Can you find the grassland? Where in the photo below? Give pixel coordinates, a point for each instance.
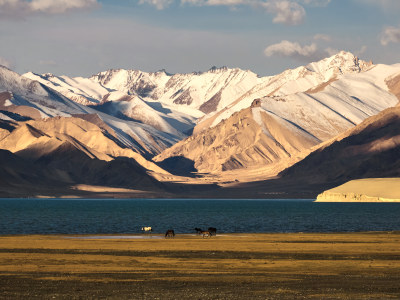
(234, 266)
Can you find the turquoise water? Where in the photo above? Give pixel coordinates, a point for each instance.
(52, 216)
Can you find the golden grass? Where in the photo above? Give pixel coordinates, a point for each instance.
(273, 265)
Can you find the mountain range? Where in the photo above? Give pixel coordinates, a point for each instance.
(224, 129)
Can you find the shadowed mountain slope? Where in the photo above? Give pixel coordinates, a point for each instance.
(370, 150)
(36, 138)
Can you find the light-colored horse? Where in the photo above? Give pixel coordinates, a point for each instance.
(206, 234)
(146, 229)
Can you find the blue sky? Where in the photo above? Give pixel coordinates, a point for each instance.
(83, 37)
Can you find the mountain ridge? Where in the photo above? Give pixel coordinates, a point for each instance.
(242, 123)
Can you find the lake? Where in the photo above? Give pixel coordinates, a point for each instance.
(115, 216)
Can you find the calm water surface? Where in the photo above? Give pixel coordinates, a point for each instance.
(128, 216)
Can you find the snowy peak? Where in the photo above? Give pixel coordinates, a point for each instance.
(13, 82)
(130, 81)
(339, 64)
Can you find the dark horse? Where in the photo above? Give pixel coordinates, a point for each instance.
(212, 230)
(198, 230)
(170, 233)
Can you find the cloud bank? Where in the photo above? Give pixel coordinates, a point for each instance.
(23, 8)
(304, 53)
(291, 49)
(285, 12)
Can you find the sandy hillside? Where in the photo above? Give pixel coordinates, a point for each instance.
(250, 138)
(364, 190)
(36, 138)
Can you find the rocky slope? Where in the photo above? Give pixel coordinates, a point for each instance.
(249, 138)
(37, 138)
(369, 150)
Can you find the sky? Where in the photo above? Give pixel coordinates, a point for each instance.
(84, 37)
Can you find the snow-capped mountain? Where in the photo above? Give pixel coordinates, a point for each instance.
(219, 91)
(119, 99)
(313, 103)
(22, 98)
(320, 100)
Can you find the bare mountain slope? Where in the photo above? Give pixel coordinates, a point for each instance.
(36, 138)
(250, 138)
(369, 150)
(54, 155)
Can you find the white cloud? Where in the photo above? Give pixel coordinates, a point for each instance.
(22, 8)
(286, 48)
(6, 63)
(390, 35)
(323, 37)
(305, 53)
(159, 4)
(286, 12)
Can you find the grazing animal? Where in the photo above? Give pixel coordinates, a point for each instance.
(198, 230)
(206, 234)
(212, 230)
(145, 229)
(170, 233)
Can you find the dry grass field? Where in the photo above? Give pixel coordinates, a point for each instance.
(232, 266)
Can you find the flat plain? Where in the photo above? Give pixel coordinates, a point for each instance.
(228, 266)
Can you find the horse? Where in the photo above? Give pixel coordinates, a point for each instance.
(146, 229)
(206, 234)
(170, 233)
(212, 230)
(198, 230)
